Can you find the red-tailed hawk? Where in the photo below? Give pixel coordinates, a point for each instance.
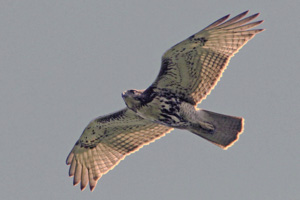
(189, 71)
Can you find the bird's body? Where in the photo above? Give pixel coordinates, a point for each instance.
(159, 107)
(189, 71)
(169, 110)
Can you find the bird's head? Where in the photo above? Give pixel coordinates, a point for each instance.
(133, 98)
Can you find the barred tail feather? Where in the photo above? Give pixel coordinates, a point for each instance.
(222, 130)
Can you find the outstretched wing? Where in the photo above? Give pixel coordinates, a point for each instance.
(106, 141)
(193, 67)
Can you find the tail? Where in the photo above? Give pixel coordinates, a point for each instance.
(222, 130)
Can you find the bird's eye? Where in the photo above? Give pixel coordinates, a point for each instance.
(131, 91)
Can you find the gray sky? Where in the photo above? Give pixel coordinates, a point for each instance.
(63, 63)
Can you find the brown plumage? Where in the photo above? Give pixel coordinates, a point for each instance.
(189, 71)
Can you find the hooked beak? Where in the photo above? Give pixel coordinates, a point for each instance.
(124, 95)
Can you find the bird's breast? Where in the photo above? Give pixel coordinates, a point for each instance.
(163, 110)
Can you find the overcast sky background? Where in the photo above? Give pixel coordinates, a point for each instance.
(63, 63)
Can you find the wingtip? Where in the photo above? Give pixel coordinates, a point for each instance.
(245, 12)
(260, 30)
(251, 17)
(82, 187)
(255, 15)
(92, 187)
(69, 158)
(93, 181)
(225, 17)
(221, 20)
(260, 21)
(75, 182)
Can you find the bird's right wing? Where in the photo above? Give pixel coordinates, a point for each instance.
(192, 68)
(106, 141)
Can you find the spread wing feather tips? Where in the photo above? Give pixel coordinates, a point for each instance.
(189, 70)
(193, 67)
(106, 141)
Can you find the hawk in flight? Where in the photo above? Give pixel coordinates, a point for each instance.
(189, 71)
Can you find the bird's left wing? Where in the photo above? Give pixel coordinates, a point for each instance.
(192, 68)
(106, 141)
